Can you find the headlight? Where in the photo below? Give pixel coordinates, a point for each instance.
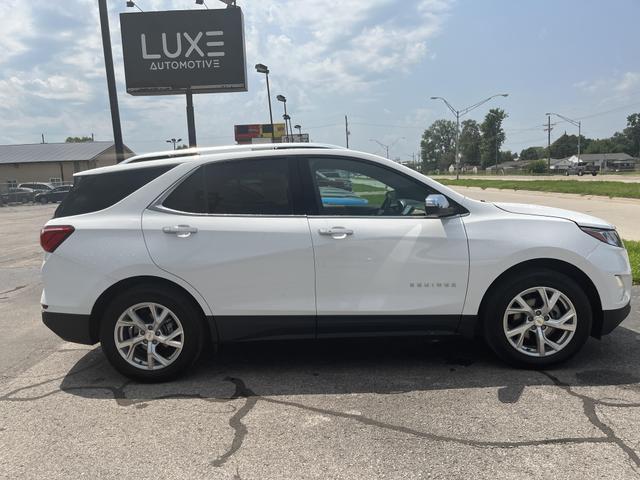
(604, 235)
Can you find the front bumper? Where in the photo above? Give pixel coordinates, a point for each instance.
(612, 318)
(71, 327)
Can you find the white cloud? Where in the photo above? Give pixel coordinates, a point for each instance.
(618, 86)
(52, 70)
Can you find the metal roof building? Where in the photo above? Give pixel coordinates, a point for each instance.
(53, 162)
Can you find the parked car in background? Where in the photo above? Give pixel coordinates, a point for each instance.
(582, 168)
(37, 186)
(158, 260)
(18, 195)
(55, 195)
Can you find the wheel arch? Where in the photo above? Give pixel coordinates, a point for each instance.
(110, 293)
(551, 264)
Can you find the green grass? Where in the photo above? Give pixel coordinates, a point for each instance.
(633, 248)
(604, 188)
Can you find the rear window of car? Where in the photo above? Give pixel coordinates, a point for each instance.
(91, 193)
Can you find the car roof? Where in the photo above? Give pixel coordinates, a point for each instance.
(190, 152)
(215, 153)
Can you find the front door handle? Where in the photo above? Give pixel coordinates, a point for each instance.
(181, 231)
(336, 232)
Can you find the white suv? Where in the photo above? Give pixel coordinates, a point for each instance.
(157, 259)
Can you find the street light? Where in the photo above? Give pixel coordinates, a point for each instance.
(299, 128)
(202, 2)
(283, 99)
(260, 68)
(174, 141)
(131, 4)
(460, 113)
(577, 123)
(385, 146)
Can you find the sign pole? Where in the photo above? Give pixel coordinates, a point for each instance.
(191, 121)
(111, 80)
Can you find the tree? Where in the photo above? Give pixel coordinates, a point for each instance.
(493, 135)
(632, 132)
(537, 166)
(567, 145)
(470, 139)
(78, 139)
(533, 153)
(437, 147)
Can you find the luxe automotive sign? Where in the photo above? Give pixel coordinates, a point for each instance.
(201, 51)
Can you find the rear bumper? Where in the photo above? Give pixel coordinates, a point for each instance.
(612, 318)
(71, 327)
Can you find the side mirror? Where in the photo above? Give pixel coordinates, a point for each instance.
(436, 205)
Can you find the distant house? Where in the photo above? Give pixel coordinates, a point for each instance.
(613, 162)
(53, 162)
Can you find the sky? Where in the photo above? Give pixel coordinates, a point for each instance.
(377, 61)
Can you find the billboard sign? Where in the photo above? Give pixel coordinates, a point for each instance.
(246, 133)
(296, 138)
(172, 52)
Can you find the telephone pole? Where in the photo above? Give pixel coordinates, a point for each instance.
(548, 130)
(346, 130)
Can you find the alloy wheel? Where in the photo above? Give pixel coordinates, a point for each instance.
(540, 321)
(149, 336)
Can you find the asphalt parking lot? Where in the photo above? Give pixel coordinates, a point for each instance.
(418, 408)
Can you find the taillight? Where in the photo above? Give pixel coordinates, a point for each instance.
(52, 236)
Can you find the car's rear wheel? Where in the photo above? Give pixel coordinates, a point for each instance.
(539, 319)
(151, 333)
(43, 200)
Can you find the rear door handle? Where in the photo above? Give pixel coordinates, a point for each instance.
(181, 231)
(336, 232)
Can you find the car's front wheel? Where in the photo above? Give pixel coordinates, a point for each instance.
(151, 333)
(539, 319)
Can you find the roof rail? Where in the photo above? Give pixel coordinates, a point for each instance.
(189, 152)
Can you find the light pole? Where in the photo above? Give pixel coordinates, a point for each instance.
(283, 99)
(260, 68)
(299, 128)
(385, 146)
(174, 141)
(577, 123)
(460, 113)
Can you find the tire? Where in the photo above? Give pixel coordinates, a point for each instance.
(580, 173)
(594, 173)
(566, 174)
(43, 200)
(497, 321)
(182, 314)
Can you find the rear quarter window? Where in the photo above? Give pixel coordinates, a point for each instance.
(92, 193)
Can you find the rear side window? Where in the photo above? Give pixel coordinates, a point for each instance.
(244, 187)
(91, 193)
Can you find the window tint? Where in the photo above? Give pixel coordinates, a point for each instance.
(91, 193)
(189, 196)
(251, 187)
(351, 187)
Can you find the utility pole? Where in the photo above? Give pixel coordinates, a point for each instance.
(191, 121)
(548, 130)
(346, 130)
(111, 80)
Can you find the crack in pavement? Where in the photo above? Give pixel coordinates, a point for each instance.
(589, 407)
(240, 430)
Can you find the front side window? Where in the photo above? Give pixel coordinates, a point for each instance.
(358, 188)
(241, 187)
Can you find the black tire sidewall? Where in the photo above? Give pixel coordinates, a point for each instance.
(506, 291)
(182, 307)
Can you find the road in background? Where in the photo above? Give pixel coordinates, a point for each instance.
(624, 213)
